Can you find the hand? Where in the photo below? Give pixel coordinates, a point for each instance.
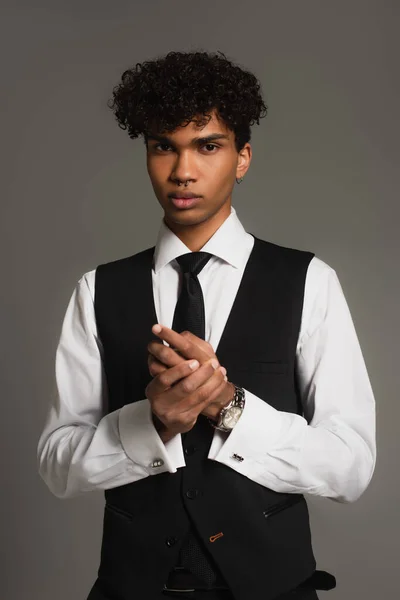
(180, 393)
(184, 346)
(172, 338)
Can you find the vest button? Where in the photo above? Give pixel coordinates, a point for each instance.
(190, 450)
(192, 493)
(170, 541)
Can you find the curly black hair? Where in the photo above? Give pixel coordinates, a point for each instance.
(180, 87)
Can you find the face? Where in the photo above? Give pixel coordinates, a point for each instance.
(205, 157)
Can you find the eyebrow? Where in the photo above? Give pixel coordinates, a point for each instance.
(203, 140)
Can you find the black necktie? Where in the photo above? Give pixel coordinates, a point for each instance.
(189, 310)
(189, 315)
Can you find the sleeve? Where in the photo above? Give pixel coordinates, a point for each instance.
(331, 450)
(81, 448)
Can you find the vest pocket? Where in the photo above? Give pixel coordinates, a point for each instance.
(118, 511)
(276, 508)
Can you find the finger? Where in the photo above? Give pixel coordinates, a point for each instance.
(170, 376)
(164, 354)
(213, 395)
(195, 388)
(155, 366)
(204, 396)
(185, 346)
(206, 346)
(210, 389)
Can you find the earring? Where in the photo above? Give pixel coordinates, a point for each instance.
(239, 180)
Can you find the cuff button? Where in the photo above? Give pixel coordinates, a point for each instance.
(237, 457)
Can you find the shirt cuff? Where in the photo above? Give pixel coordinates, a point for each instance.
(142, 443)
(258, 428)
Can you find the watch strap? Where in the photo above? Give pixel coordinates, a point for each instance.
(238, 401)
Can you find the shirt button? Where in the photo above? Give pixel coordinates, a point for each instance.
(170, 541)
(157, 462)
(190, 450)
(193, 493)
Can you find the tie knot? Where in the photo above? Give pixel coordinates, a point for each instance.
(193, 262)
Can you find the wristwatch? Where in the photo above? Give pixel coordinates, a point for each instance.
(231, 413)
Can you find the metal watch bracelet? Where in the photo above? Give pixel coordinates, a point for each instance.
(238, 401)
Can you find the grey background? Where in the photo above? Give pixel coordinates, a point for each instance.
(75, 193)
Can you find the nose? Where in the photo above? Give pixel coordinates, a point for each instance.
(184, 169)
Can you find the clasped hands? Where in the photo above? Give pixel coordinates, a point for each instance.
(178, 393)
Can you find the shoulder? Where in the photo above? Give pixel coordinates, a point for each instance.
(320, 281)
(319, 271)
(114, 267)
(283, 254)
(121, 264)
(288, 264)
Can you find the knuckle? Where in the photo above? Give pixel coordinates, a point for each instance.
(149, 395)
(186, 346)
(164, 414)
(189, 420)
(187, 386)
(221, 381)
(164, 379)
(202, 393)
(162, 353)
(215, 380)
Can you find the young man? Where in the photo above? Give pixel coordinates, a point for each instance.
(205, 467)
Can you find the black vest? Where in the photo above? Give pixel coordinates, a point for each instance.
(265, 548)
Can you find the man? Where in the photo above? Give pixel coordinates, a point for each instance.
(205, 466)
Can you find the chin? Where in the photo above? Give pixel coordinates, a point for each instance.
(185, 217)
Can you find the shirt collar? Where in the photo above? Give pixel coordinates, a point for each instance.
(227, 243)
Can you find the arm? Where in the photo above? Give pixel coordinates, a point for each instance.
(81, 448)
(331, 451)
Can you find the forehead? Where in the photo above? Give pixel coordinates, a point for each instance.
(192, 131)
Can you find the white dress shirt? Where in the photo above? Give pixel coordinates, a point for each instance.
(330, 452)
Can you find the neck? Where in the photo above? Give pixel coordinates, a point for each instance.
(196, 235)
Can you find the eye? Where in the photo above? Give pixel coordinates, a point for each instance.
(164, 147)
(158, 146)
(212, 145)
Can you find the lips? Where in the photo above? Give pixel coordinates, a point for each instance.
(185, 202)
(183, 195)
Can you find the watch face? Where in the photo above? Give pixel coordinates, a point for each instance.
(231, 416)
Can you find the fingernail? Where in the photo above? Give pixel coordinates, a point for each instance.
(157, 328)
(214, 363)
(226, 378)
(194, 364)
(223, 370)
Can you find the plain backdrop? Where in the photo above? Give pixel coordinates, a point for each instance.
(75, 193)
